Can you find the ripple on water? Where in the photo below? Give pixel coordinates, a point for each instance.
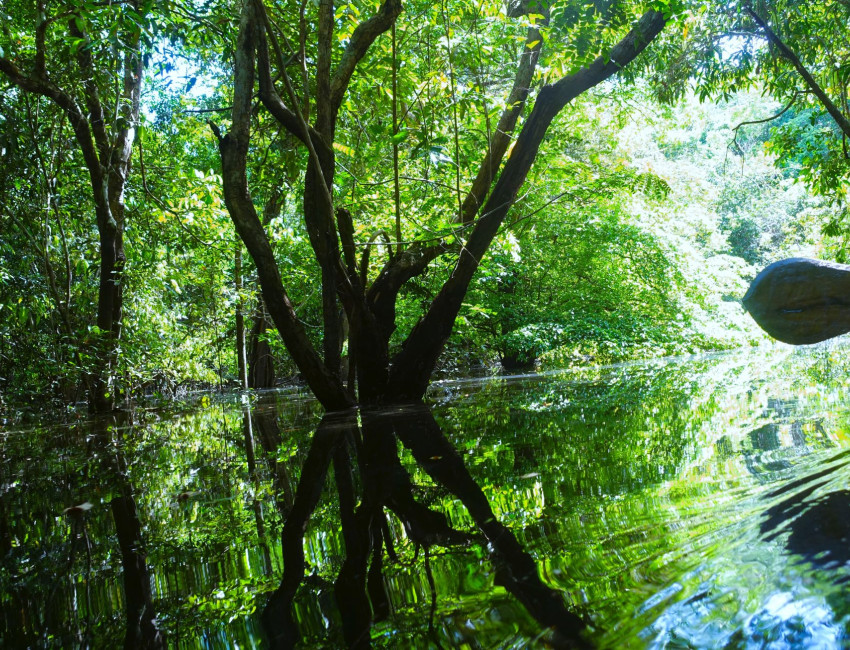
(770, 572)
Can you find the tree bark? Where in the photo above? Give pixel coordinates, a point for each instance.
(233, 147)
(261, 372)
(372, 314)
(507, 123)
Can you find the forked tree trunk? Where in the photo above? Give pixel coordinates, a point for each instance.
(413, 366)
(384, 485)
(371, 313)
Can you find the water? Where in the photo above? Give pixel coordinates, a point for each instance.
(677, 503)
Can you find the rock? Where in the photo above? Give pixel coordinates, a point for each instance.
(801, 301)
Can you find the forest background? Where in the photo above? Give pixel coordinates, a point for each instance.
(656, 197)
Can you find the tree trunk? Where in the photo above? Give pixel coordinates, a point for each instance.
(107, 160)
(109, 306)
(371, 314)
(261, 372)
(141, 627)
(233, 147)
(412, 367)
(241, 361)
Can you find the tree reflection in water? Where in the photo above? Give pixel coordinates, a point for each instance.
(370, 480)
(699, 503)
(141, 630)
(818, 523)
(44, 595)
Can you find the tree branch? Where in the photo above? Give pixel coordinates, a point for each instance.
(40, 34)
(507, 123)
(268, 94)
(840, 119)
(364, 35)
(762, 121)
(129, 105)
(234, 151)
(412, 367)
(515, 569)
(79, 123)
(383, 293)
(318, 204)
(325, 115)
(91, 92)
(367, 248)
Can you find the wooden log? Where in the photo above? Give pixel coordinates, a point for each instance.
(801, 301)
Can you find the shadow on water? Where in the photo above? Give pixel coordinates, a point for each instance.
(370, 451)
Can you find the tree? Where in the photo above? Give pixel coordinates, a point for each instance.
(600, 50)
(100, 96)
(797, 52)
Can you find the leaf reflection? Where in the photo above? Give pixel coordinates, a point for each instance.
(698, 501)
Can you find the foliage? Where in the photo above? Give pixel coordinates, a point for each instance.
(801, 64)
(378, 164)
(633, 237)
(638, 239)
(47, 254)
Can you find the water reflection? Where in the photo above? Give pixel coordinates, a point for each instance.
(699, 503)
(813, 517)
(142, 630)
(370, 451)
(38, 619)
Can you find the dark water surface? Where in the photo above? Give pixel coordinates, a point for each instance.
(688, 503)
